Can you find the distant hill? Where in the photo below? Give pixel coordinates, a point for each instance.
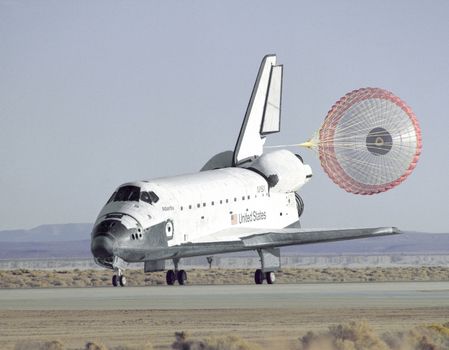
(45, 250)
(47, 233)
(73, 241)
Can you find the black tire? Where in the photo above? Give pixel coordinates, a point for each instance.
(122, 281)
(270, 277)
(170, 277)
(258, 276)
(182, 277)
(115, 281)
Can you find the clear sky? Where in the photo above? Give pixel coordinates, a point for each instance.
(97, 93)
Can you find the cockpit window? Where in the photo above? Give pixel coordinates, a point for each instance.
(153, 196)
(112, 198)
(149, 197)
(144, 196)
(133, 194)
(127, 194)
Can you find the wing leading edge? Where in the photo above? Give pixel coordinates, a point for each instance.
(285, 237)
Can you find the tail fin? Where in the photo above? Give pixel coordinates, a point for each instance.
(263, 115)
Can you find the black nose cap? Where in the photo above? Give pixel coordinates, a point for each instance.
(101, 247)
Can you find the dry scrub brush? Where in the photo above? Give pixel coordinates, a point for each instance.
(49, 345)
(350, 336)
(227, 342)
(57, 345)
(22, 278)
(360, 336)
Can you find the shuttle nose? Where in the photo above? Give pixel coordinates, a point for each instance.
(101, 247)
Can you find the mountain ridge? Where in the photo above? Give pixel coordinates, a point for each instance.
(48, 233)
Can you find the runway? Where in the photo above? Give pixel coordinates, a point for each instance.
(212, 297)
(266, 314)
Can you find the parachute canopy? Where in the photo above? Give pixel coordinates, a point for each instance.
(370, 141)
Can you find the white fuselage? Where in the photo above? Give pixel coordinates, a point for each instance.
(203, 204)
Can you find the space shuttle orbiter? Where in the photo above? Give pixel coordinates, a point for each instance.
(240, 200)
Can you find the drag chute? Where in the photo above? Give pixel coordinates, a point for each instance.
(370, 141)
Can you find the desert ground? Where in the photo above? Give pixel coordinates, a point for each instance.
(299, 327)
(261, 328)
(23, 278)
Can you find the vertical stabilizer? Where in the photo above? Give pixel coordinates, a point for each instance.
(263, 114)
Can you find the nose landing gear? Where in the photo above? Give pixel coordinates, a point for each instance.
(118, 265)
(119, 279)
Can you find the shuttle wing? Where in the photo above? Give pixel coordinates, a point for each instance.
(284, 237)
(241, 239)
(263, 238)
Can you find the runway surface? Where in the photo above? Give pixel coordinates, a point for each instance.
(208, 297)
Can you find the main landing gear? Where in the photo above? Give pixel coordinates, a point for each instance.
(119, 279)
(270, 261)
(260, 276)
(172, 276)
(176, 275)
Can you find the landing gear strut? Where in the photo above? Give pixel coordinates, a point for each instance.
(176, 275)
(119, 279)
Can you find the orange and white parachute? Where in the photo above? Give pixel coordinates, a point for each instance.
(370, 141)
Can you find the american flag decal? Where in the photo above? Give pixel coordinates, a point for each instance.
(234, 219)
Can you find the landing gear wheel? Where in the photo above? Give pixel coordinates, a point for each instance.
(182, 277)
(115, 280)
(122, 280)
(270, 277)
(258, 276)
(170, 277)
